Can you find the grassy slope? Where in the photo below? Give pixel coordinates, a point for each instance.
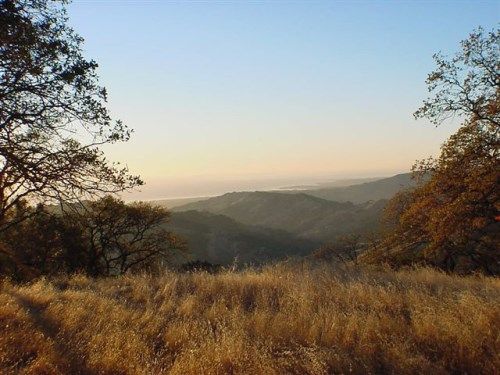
(281, 320)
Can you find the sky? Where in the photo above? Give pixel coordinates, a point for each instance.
(238, 95)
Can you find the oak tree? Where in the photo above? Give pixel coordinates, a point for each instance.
(121, 237)
(454, 214)
(53, 114)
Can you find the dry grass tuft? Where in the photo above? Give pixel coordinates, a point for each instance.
(283, 319)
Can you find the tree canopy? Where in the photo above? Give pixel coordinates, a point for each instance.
(53, 114)
(454, 214)
(103, 237)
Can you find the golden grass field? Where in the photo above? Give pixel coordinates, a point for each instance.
(284, 319)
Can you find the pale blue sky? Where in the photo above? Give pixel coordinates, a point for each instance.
(271, 89)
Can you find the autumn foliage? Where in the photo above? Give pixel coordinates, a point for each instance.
(451, 219)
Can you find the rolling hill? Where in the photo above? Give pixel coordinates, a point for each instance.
(384, 188)
(219, 239)
(260, 226)
(300, 214)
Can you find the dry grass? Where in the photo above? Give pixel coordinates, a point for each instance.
(284, 319)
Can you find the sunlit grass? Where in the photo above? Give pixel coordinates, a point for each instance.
(284, 319)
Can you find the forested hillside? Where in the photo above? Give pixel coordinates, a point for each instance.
(219, 239)
(300, 214)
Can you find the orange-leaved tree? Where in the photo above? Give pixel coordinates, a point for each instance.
(452, 216)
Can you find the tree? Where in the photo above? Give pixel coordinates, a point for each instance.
(454, 214)
(53, 117)
(44, 243)
(121, 237)
(107, 237)
(467, 84)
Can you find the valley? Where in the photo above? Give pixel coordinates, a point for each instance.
(262, 226)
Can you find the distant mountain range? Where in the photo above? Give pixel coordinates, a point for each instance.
(170, 203)
(260, 226)
(384, 188)
(332, 183)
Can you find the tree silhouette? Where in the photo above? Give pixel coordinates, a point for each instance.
(53, 117)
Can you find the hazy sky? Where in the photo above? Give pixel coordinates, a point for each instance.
(263, 90)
